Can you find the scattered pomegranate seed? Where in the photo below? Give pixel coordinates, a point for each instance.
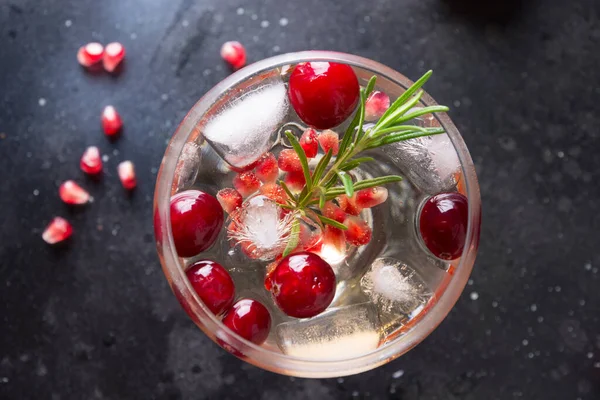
(443, 224)
(111, 121)
(126, 171)
(58, 229)
(303, 285)
(230, 199)
(377, 104)
(289, 161)
(348, 204)
(358, 232)
(266, 169)
(114, 53)
(274, 192)
(329, 139)
(334, 212)
(234, 54)
(213, 285)
(246, 183)
(323, 94)
(249, 319)
(196, 219)
(72, 193)
(295, 181)
(91, 163)
(309, 143)
(371, 197)
(90, 54)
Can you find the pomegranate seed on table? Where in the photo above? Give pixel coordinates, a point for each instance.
(274, 192)
(371, 197)
(111, 121)
(376, 105)
(91, 163)
(249, 319)
(213, 285)
(234, 54)
(329, 139)
(323, 94)
(295, 181)
(246, 183)
(90, 54)
(126, 171)
(358, 232)
(348, 204)
(113, 55)
(267, 169)
(303, 285)
(334, 212)
(58, 229)
(309, 143)
(289, 161)
(72, 193)
(443, 224)
(230, 199)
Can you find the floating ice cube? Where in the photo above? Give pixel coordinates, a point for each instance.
(187, 165)
(245, 129)
(336, 334)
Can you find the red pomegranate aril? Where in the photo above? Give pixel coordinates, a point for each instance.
(230, 199)
(289, 161)
(196, 219)
(249, 319)
(348, 204)
(126, 171)
(274, 192)
(111, 121)
(246, 183)
(334, 212)
(72, 193)
(295, 181)
(323, 94)
(329, 139)
(91, 163)
(303, 285)
(443, 224)
(114, 53)
(234, 54)
(334, 237)
(376, 105)
(371, 197)
(58, 229)
(267, 169)
(213, 285)
(358, 232)
(90, 54)
(309, 143)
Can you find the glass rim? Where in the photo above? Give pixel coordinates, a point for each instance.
(452, 284)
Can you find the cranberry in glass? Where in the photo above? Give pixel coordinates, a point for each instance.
(213, 285)
(443, 224)
(323, 94)
(303, 285)
(196, 219)
(249, 319)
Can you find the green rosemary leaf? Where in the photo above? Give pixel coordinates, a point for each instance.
(361, 120)
(370, 86)
(394, 118)
(294, 238)
(393, 138)
(351, 164)
(322, 198)
(320, 168)
(347, 181)
(332, 222)
(303, 160)
(288, 191)
(422, 111)
(364, 184)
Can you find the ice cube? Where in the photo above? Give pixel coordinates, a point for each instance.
(337, 334)
(246, 127)
(187, 165)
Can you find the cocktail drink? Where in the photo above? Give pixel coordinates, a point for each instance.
(317, 214)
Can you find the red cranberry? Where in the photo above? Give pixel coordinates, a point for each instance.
(323, 94)
(303, 285)
(443, 224)
(249, 319)
(213, 284)
(196, 219)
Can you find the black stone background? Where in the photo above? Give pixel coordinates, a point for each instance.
(96, 320)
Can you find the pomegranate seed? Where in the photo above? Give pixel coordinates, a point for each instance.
(196, 219)
(58, 229)
(267, 170)
(334, 212)
(234, 54)
(113, 55)
(295, 181)
(111, 121)
(309, 143)
(126, 172)
(289, 161)
(329, 139)
(377, 104)
(91, 163)
(334, 243)
(303, 285)
(246, 168)
(90, 54)
(213, 285)
(274, 192)
(348, 204)
(72, 193)
(443, 224)
(246, 183)
(371, 197)
(230, 199)
(249, 319)
(358, 232)
(323, 94)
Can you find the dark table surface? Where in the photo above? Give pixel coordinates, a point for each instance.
(96, 320)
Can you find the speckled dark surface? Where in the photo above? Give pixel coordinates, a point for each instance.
(96, 320)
